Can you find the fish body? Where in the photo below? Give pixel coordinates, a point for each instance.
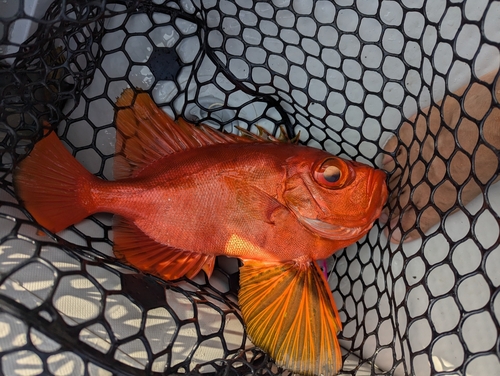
(248, 190)
(186, 194)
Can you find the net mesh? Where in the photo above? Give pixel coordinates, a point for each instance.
(348, 75)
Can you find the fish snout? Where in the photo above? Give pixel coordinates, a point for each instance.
(376, 189)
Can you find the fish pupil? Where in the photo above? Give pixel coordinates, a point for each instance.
(331, 174)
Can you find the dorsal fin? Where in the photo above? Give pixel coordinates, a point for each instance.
(145, 133)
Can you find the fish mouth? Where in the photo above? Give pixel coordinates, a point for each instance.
(376, 189)
(331, 231)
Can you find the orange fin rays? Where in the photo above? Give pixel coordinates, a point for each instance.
(253, 201)
(290, 313)
(54, 186)
(169, 263)
(145, 133)
(265, 136)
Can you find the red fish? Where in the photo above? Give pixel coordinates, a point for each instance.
(187, 194)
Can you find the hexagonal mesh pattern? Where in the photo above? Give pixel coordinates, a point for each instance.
(348, 75)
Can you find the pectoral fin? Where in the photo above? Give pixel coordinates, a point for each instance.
(253, 201)
(290, 313)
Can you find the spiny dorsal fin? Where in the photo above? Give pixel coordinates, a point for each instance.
(145, 133)
(264, 135)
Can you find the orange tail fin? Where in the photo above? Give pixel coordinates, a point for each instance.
(50, 183)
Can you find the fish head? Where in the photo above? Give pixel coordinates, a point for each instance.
(335, 198)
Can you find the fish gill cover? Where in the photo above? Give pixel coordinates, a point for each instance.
(346, 74)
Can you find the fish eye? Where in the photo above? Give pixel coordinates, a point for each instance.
(332, 173)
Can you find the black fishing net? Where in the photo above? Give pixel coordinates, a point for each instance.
(346, 74)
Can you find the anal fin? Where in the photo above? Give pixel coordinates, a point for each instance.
(289, 312)
(139, 250)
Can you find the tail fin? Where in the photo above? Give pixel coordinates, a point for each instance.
(50, 183)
